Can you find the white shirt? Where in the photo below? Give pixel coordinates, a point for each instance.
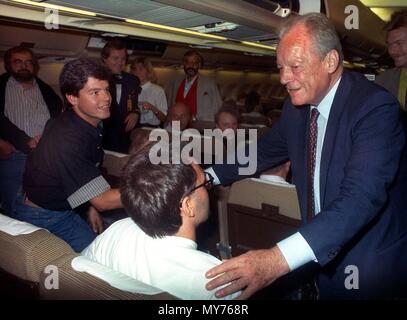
(155, 95)
(188, 85)
(172, 264)
(118, 92)
(26, 108)
(277, 180)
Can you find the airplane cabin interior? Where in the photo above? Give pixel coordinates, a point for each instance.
(237, 40)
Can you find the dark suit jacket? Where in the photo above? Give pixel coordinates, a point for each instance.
(9, 131)
(115, 136)
(363, 179)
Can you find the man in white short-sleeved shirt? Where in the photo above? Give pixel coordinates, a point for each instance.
(156, 244)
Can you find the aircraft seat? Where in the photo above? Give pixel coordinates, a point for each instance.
(35, 264)
(113, 162)
(260, 213)
(82, 279)
(23, 256)
(222, 197)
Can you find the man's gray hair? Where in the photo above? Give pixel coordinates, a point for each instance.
(322, 32)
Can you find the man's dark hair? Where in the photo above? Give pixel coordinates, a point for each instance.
(229, 108)
(19, 49)
(151, 193)
(76, 73)
(398, 20)
(116, 44)
(190, 53)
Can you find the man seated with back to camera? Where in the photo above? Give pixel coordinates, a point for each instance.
(62, 174)
(278, 175)
(157, 243)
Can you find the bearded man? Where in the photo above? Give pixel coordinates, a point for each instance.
(26, 104)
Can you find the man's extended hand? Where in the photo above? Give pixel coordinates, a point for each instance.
(131, 121)
(249, 272)
(6, 149)
(95, 221)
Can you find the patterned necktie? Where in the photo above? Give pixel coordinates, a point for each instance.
(311, 156)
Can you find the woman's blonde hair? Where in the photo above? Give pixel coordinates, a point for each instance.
(146, 63)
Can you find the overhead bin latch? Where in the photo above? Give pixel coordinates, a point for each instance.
(282, 12)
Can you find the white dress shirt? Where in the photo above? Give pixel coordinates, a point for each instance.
(277, 180)
(118, 92)
(188, 85)
(171, 263)
(155, 95)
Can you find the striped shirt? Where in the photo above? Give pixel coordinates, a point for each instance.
(26, 108)
(89, 191)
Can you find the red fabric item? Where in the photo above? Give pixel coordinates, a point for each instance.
(190, 99)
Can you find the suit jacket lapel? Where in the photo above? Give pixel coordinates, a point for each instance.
(338, 105)
(124, 94)
(113, 91)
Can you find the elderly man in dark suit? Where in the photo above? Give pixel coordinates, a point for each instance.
(345, 139)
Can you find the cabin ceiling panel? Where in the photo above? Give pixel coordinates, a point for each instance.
(144, 10)
(151, 11)
(365, 44)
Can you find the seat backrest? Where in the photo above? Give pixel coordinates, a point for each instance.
(261, 130)
(113, 162)
(253, 193)
(269, 209)
(26, 255)
(25, 251)
(248, 119)
(33, 257)
(76, 285)
(201, 125)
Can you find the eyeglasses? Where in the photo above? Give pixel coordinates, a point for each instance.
(20, 62)
(207, 184)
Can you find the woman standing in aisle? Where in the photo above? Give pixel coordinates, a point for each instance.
(152, 100)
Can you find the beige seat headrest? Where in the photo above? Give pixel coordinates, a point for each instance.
(254, 192)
